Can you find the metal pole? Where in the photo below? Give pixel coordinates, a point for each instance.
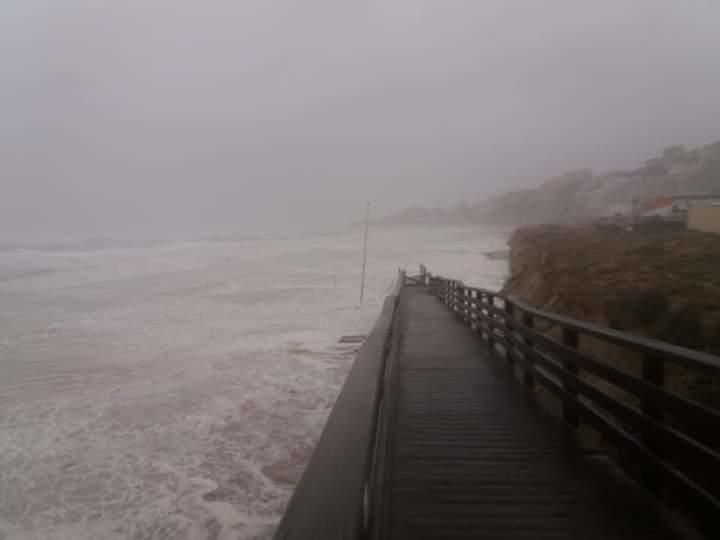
(364, 265)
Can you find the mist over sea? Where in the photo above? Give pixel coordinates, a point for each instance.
(175, 391)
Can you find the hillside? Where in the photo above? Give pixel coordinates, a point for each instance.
(578, 196)
(663, 285)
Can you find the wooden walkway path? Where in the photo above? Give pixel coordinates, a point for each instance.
(469, 454)
(437, 434)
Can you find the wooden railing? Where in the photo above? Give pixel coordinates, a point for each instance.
(669, 441)
(334, 498)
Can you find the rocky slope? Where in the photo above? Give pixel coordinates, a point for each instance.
(665, 286)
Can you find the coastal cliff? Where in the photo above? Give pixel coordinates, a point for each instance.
(663, 285)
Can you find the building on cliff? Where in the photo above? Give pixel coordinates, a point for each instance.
(704, 217)
(675, 208)
(662, 207)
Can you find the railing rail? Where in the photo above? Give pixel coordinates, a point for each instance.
(671, 442)
(334, 498)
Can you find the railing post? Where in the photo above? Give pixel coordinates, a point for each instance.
(653, 372)
(467, 295)
(483, 325)
(528, 322)
(491, 341)
(509, 322)
(473, 306)
(459, 300)
(570, 339)
(456, 307)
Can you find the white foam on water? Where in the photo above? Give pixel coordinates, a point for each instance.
(176, 392)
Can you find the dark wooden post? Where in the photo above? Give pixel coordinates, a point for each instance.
(491, 342)
(468, 302)
(509, 323)
(464, 302)
(528, 322)
(460, 300)
(570, 338)
(653, 372)
(473, 306)
(483, 325)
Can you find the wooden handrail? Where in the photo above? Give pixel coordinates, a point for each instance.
(332, 501)
(698, 360)
(672, 441)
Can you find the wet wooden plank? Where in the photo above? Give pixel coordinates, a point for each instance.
(471, 454)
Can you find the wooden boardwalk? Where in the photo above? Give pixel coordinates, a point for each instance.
(470, 454)
(438, 435)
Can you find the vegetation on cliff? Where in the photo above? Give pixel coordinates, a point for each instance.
(662, 285)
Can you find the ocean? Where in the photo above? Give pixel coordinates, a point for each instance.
(175, 391)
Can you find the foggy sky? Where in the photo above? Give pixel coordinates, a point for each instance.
(174, 117)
